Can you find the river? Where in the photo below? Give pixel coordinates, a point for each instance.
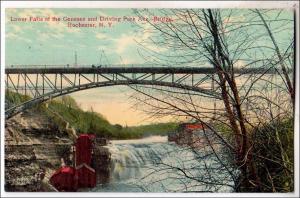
(154, 165)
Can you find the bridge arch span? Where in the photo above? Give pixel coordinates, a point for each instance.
(71, 89)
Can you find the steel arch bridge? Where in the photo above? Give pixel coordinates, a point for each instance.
(43, 83)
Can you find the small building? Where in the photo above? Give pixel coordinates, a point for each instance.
(84, 149)
(70, 179)
(86, 176)
(195, 135)
(64, 179)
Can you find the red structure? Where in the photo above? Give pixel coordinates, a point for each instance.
(194, 126)
(86, 176)
(192, 134)
(83, 150)
(69, 178)
(64, 179)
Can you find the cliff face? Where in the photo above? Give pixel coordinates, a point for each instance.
(195, 138)
(101, 160)
(34, 148)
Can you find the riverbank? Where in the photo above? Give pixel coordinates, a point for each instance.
(90, 121)
(38, 140)
(34, 147)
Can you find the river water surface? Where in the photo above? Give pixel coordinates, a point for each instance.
(154, 165)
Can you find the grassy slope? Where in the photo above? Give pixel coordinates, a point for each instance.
(92, 122)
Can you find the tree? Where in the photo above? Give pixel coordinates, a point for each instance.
(281, 57)
(226, 40)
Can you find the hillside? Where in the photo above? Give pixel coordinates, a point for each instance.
(89, 121)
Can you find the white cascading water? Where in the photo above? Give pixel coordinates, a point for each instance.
(154, 165)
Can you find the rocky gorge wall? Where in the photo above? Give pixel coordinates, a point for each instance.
(101, 162)
(34, 148)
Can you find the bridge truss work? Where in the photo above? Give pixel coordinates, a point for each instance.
(46, 83)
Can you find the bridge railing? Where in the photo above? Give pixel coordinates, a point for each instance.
(37, 66)
(83, 65)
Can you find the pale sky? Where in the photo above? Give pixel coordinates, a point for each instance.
(54, 43)
(49, 43)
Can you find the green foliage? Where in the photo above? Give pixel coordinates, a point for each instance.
(15, 98)
(90, 121)
(274, 155)
(82, 121)
(68, 101)
(146, 130)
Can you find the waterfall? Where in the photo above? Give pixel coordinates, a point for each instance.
(159, 166)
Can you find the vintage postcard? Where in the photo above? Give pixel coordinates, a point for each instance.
(162, 97)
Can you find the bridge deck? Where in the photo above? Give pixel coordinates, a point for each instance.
(111, 70)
